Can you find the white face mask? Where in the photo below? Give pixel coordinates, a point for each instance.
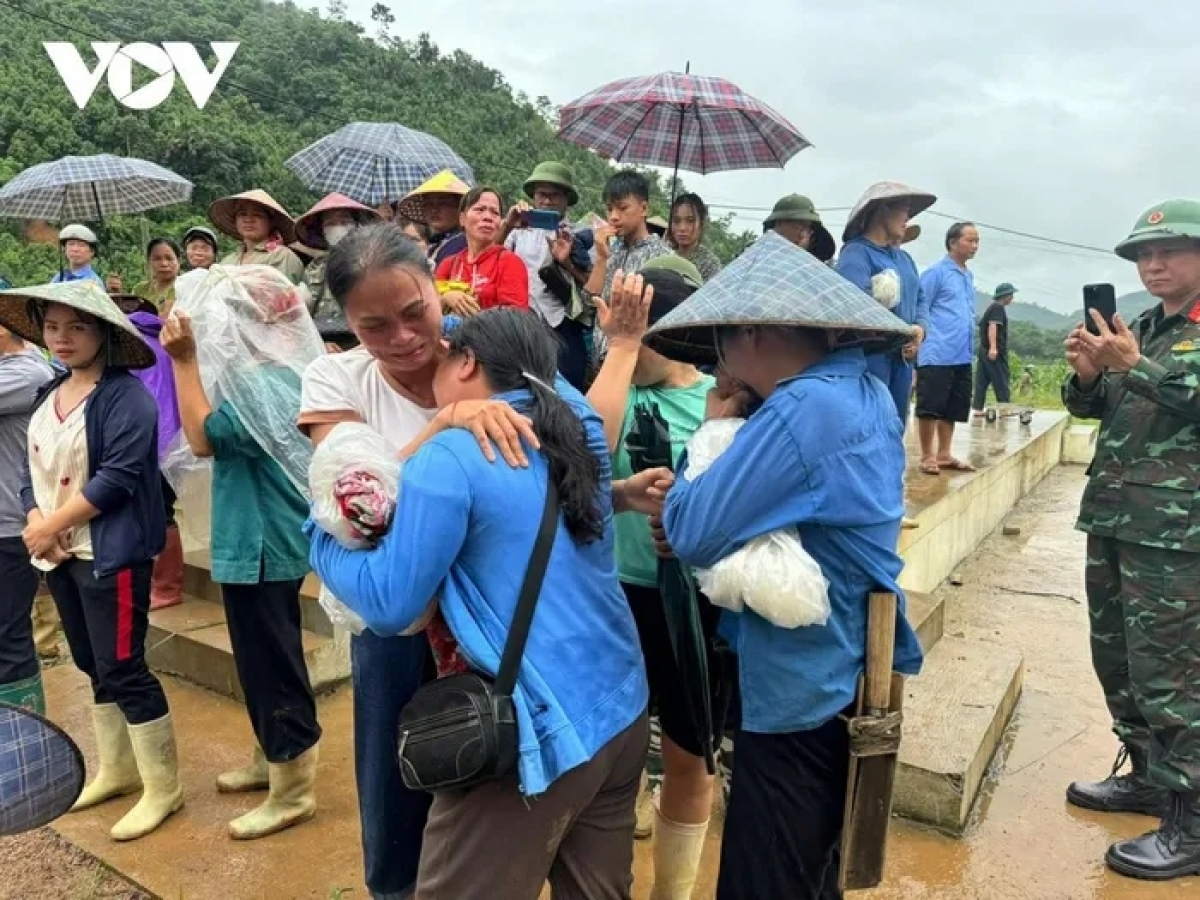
(335, 233)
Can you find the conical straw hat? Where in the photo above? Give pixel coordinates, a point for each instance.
(223, 214)
(881, 193)
(412, 207)
(775, 283)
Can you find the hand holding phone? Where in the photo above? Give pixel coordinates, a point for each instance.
(1103, 299)
(544, 219)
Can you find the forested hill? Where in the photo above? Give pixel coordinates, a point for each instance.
(297, 76)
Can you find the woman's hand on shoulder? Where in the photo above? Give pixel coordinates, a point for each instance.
(494, 424)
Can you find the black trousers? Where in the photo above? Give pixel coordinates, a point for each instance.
(104, 621)
(991, 373)
(783, 828)
(268, 650)
(572, 353)
(18, 586)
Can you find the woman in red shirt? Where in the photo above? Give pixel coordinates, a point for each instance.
(497, 276)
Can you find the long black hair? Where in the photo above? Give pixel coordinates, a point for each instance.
(368, 249)
(518, 351)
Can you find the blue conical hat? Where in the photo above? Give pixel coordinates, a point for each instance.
(775, 283)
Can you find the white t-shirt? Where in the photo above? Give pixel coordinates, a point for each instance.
(338, 384)
(531, 244)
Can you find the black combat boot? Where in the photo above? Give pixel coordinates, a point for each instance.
(1171, 851)
(1122, 793)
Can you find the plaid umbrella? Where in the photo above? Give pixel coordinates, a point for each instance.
(88, 188)
(681, 121)
(41, 771)
(375, 162)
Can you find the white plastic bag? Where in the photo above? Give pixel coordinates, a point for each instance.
(773, 574)
(350, 449)
(885, 288)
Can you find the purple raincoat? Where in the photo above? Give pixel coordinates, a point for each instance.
(159, 380)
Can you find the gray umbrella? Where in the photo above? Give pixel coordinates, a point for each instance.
(88, 188)
(375, 162)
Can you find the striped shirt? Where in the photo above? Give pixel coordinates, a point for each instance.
(58, 467)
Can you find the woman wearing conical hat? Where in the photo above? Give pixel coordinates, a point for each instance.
(262, 227)
(823, 454)
(92, 494)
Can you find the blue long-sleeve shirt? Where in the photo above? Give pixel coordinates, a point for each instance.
(463, 531)
(825, 455)
(951, 332)
(861, 259)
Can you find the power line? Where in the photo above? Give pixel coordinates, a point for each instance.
(320, 113)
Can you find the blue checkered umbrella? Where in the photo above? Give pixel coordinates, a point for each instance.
(88, 188)
(41, 770)
(375, 162)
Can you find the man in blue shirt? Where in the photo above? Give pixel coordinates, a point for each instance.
(78, 244)
(944, 361)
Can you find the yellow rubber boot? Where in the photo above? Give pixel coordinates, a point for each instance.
(158, 761)
(677, 852)
(292, 799)
(117, 773)
(252, 777)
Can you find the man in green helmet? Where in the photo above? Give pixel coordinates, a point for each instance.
(1141, 510)
(795, 218)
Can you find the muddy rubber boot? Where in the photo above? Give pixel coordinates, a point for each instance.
(252, 777)
(26, 693)
(677, 852)
(45, 626)
(117, 774)
(166, 584)
(158, 762)
(1121, 793)
(1170, 851)
(292, 799)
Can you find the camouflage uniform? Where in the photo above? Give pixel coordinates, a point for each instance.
(1141, 510)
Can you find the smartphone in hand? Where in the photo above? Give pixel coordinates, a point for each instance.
(1103, 299)
(544, 219)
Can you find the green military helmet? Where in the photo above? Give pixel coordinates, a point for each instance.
(1162, 222)
(1004, 289)
(798, 208)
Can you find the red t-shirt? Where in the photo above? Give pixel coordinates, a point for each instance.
(498, 277)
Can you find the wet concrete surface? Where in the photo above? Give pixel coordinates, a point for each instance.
(981, 444)
(1025, 842)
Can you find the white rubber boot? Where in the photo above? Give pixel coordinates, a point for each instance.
(677, 852)
(158, 762)
(252, 777)
(292, 799)
(117, 772)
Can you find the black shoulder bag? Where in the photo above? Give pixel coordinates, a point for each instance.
(461, 731)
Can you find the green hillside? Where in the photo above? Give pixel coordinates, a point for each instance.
(297, 76)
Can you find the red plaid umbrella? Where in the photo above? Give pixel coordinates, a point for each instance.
(681, 121)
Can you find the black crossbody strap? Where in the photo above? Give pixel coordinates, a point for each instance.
(514, 647)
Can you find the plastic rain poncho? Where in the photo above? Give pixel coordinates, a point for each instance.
(254, 339)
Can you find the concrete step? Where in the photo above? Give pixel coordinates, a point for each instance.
(927, 616)
(955, 714)
(191, 641)
(198, 583)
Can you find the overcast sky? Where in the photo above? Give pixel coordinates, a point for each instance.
(1060, 118)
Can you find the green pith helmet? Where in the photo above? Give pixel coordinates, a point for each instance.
(1162, 222)
(1004, 289)
(798, 208)
(555, 173)
(684, 268)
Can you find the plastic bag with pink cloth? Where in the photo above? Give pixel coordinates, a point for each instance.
(773, 574)
(355, 483)
(254, 339)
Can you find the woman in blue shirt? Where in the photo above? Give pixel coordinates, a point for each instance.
(823, 454)
(463, 531)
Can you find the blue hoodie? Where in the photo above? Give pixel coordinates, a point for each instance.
(463, 531)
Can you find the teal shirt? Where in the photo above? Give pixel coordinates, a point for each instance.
(683, 409)
(257, 514)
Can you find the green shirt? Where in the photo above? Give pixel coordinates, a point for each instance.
(683, 410)
(160, 297)
(257, 513)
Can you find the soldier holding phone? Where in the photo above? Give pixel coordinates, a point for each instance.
(1141, 510)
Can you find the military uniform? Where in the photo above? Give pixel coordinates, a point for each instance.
(1141, 511)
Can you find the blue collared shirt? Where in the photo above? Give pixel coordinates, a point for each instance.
(825, 455)
(82, 275)
(949, 339)
(861, 259)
